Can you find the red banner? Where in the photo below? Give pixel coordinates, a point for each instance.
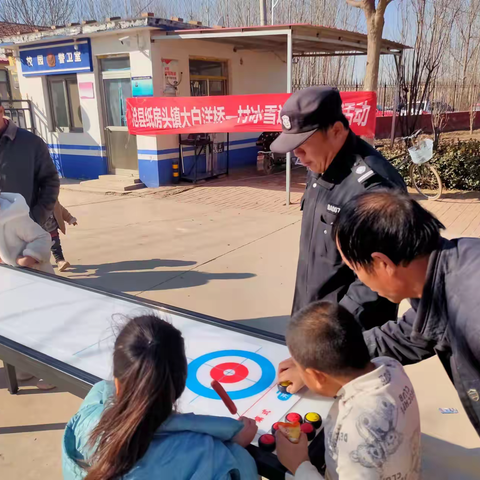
(234, 113)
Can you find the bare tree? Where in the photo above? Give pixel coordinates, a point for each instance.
(375, 17)
(465, 52)
(322, 70)
(37, 12)
(432, 23)
(438, 111)
(102, 9)
(473, 89)
(96, 10)
(468, 38)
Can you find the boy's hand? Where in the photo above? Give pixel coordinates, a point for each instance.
(26, 261)
(288, 372)
(292, 455)
(246, 435)
(73, 221)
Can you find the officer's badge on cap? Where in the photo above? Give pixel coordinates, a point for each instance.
(286, 122)
(306, 112)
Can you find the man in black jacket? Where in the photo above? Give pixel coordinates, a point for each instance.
(394, 246)
(341, 165)
(27, 168)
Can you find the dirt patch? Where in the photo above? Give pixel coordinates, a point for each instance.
(461, 135)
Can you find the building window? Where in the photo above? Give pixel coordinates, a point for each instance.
(208, 77)
(5, 92)
(65, 103)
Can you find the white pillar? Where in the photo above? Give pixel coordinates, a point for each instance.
(289, 90)
(263, 12)
(396, 100)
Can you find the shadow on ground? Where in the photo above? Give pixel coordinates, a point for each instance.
(250, 177)
(28, 387)
(450, 196)
(442, 460)
(126, 277)
(460, 196)
(130, 265)
(276, 324)
(33, 428)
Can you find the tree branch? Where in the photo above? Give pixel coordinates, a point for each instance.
(355, 3)
(382, 6)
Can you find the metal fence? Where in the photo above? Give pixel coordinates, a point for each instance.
(454, 97)
(20, 112)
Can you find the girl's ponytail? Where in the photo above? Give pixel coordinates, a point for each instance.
(150, 364)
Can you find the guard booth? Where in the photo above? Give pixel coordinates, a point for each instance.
(79, 77)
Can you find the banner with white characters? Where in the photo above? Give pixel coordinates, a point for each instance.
(234, 113)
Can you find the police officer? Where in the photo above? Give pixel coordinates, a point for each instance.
(341, 166)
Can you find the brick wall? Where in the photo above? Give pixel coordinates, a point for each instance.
(455, 121)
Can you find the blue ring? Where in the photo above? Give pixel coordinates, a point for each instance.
(268, 374)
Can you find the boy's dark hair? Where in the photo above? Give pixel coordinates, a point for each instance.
(388, 222)
(326, 337)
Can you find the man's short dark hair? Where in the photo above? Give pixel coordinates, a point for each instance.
(388, 222)
(331, 121)
(326, 337)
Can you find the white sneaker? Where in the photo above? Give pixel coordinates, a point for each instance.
(43, 385)
(63, 265)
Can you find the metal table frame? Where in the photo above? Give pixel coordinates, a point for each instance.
(79, 382)
(200, 148)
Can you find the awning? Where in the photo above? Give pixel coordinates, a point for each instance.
(307, 40)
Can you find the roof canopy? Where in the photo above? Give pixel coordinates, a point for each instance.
(307, 40)
(90, 29)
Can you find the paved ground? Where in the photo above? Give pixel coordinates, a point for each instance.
(226, 248)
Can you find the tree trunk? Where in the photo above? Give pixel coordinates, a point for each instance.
(374, 43)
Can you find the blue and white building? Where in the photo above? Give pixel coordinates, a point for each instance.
(78, 79)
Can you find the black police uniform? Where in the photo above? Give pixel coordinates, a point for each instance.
(321, 274)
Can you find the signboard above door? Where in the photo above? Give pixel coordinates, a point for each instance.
(57, 58)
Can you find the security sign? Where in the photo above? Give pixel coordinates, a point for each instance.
(57, 58)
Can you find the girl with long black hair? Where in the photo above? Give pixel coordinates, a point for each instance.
(128, 429)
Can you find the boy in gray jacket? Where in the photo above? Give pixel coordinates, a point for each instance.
(373, 429)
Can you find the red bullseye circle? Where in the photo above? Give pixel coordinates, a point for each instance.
(229, 372)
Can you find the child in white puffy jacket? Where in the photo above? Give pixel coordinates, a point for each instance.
(23, 242)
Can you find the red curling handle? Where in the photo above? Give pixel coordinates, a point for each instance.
(224, 396)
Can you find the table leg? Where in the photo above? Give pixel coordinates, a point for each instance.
(11, 378)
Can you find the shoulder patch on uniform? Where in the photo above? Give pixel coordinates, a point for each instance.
(365, 176)
(362, 170)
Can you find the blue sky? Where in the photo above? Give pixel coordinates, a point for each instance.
(391, 29)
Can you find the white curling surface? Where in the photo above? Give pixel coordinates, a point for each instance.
(78, 327)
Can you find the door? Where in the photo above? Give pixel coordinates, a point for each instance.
(210, 78)
(117, 87)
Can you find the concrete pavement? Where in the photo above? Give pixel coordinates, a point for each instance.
(227, 249)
